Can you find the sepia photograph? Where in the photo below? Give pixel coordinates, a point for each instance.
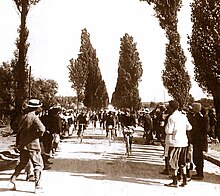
(102, 97)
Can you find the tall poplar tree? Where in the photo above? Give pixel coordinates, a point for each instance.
(205, 48)
(20, 68)
(126, 94)
(78, 68)
(86, 77)
(175, 77)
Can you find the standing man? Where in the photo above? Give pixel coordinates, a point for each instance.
(199, 132)
(55, 127)
(30, 129)
(165, 144)
(148, 127)
(176, 137)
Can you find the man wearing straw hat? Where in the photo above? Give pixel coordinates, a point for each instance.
(30, 129)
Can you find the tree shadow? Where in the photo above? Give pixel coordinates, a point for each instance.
(114, 170)
(142, 167)
(15, 191)
(20, 180)
(5, 165)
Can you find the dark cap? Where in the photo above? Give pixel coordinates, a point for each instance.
(174, 104)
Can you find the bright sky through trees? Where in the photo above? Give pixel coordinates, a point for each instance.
(55, 28)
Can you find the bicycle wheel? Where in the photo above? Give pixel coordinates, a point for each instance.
(130, 144)
(127, 145)
(81, 134)
(110, 136)
(80, 137)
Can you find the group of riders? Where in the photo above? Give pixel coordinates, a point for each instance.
(61, 123)
(116, 121)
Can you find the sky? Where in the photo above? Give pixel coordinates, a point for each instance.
(55, 31)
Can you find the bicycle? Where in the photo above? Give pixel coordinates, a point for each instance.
(127, 132)
(110, 133)
(81, 131)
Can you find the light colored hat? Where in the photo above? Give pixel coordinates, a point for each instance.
(34, 103)
(146, 110)
(196, 107)
(127, 110)
(58, 106)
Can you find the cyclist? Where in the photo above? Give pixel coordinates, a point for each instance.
(110, 121)
(128, 121)
(81, 122)
(94, 119)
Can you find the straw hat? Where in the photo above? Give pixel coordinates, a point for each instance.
(34, 103)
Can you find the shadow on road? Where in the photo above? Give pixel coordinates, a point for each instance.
(116, 170)
(142, 167)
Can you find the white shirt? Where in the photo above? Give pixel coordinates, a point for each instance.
(176, 128)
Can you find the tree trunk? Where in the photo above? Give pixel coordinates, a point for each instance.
(21, 63)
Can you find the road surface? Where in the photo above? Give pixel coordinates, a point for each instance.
(94, 167)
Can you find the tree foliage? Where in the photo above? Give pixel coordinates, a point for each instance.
(67, 102)
(204, 42)
(86, 77)
(78, 68)
(20, 61)
(175, 77)
(25, 4)
(205, 48)
(96, 96)
(78, 73)
(130, 70)
(44, 90)
(7, 89)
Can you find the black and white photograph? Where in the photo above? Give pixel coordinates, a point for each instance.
(109, 97)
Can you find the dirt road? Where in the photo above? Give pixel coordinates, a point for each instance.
(96, 168)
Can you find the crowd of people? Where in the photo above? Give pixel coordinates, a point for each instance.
(183, 134)
(186, 133)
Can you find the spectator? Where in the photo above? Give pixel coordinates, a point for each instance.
(212, 124)
(158, 116)
(176, 137)
(166, 170)
(55, 126)
(199, 138)
(148, 126)
(30, 129)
